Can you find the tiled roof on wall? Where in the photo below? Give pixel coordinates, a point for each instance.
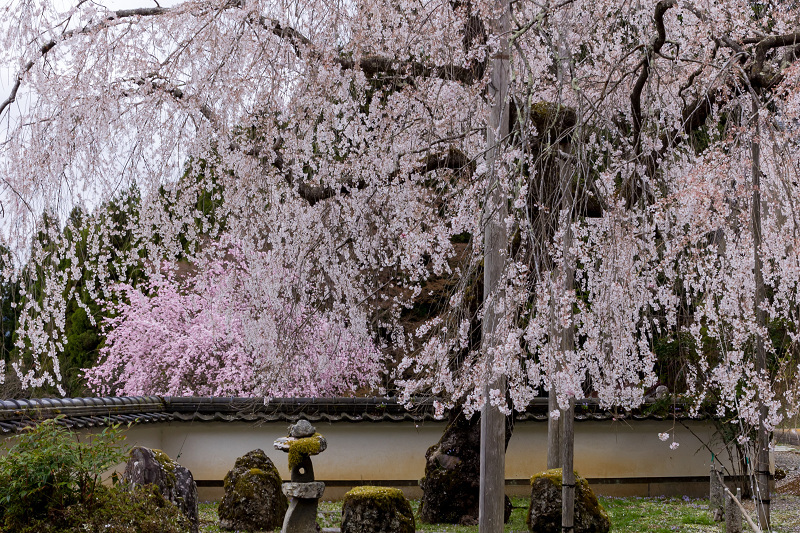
(95, 412)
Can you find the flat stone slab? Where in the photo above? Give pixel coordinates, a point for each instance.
(310, 490)
(284, 443)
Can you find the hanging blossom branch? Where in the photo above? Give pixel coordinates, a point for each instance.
(370, 65)
(373, 65)
(85, 30)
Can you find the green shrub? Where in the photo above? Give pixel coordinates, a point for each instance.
(46, 468)
(50, 482)
(115, 509)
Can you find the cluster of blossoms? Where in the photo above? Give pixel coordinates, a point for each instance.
(225, 329)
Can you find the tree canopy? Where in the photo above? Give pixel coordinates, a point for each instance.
(344, 150)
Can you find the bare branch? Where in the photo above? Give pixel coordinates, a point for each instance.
(453, 159)
(758, 76)
(645, 64)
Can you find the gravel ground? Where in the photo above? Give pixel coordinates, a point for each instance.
(786, 500)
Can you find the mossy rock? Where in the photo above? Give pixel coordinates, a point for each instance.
(117, 509)
(554, 120)
(253, 499)
(451, 486)
(376, 510)
(175, 483)
(544, 512)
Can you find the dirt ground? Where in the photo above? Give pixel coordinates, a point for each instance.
(786, 500)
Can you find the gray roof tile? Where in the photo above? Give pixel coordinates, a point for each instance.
(92, 412)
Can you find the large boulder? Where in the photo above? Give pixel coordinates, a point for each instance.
(376, 510)
(153, 467)
(253, 498)
(451, 486)
(544, 513)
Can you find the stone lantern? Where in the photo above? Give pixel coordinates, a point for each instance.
(303, 442)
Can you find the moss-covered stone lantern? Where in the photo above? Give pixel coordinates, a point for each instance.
(303, 442)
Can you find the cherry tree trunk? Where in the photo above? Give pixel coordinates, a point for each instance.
(451, 486)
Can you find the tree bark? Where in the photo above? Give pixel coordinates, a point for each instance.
(492, 479)
(451, 486)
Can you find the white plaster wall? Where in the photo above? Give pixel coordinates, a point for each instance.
(387, 451)
(396, 451)
(364, 451)
(620, 449)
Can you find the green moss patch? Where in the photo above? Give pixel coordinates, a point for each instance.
(554, 477)
(167, 463)
(253, 499)
(369, 508)
(303, 448)
(546, 502)
(385, 499)
(378, 494)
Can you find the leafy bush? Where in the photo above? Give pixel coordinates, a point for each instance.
(50, 481)
(47, 468)
(116, 509)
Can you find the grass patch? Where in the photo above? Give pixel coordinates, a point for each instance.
(660, 515)
(628, 515)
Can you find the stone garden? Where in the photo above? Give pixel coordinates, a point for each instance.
(156, 494)
(257, 499)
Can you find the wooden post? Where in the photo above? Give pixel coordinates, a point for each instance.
(762, 496)
(567, 472)
(567, 345)
(554, 429)
(495, 241)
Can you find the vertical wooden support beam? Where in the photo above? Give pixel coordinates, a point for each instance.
(495, 241)
(762, 495)
(716, 496)
(553, 433)
(567, 472)
(567, 346)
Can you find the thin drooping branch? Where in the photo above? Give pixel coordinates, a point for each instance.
(474, 35)
(373, 65)
(89, 28)
(376, 65)
(452, 159)
(282, 31)
(390, 67)
(696, 112)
